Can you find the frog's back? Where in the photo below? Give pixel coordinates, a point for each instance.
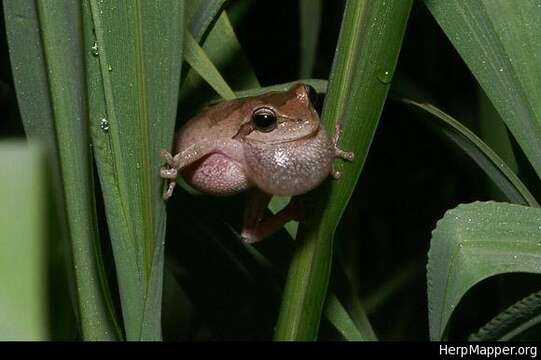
(219, 121)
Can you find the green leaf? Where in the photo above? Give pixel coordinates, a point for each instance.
(49, 78)
(337, 314)
(318, 84)
(515, 320)
(500, 43)
(203, 16)
(23, 243)
(494, 133)
(200, 62)
(222, 51)
(310, 20)
(481, 153)
(134, 57)
(365, 59)
(473, 242)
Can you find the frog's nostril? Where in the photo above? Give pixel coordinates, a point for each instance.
(312, 94)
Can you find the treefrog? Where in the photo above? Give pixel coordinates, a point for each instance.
(271, 144)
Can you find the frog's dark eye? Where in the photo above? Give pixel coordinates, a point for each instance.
(312, 94)
(264, 119)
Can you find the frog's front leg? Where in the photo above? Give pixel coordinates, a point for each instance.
(256, 227)
(339, 153)
(174, 164)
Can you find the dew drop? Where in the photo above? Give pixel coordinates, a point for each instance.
(95, 49)
(104, 125)
(110, 68)
(385, 76)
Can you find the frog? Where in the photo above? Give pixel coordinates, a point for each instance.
(265, 145)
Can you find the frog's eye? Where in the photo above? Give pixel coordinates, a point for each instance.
(264, 119)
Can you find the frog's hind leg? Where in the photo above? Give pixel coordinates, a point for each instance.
(256, 227)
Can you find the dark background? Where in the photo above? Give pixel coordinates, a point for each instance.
(214, 289)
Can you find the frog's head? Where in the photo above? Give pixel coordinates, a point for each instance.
(286, 150)
(279, 117)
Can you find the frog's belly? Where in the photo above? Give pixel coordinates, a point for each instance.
(216, 174)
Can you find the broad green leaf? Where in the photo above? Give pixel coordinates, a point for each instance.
(23, 243)
(134, 57)
(49, 78)
(365, 59)
(513, 321)
(310, 20)
(499, 41)
(473, 242)
(495, 168)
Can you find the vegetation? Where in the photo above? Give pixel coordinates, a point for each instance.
(432, 232)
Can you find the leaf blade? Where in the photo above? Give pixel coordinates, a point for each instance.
(367, 25)
(473, 242)
(493, 166)
(23, 243)
(52, 102)
(133, 84)
(492, 47)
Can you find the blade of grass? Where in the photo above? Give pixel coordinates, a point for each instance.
(49, 77)
(500, 43)
(396, 282)
(23, 243)
(365, 59)
(481, 153)
(494, 133)
(343, 323)
(318, 84)
(133, 72)
(513, 321)
(310, 21)
(203, 16)
(225, 53)
(199, 61)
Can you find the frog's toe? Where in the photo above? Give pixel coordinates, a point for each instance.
(168, 173)
(346, 155)
(168, 192)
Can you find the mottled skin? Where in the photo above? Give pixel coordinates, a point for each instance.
(224, 151)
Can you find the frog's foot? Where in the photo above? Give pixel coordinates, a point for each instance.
(339, 153)
(169, 171)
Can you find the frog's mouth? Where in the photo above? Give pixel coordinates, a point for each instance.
(270, 138)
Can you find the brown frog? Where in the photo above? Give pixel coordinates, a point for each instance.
(271, 144)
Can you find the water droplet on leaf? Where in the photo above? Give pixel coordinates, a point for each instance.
(385, 76)
(95, 49)
(104, 125)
